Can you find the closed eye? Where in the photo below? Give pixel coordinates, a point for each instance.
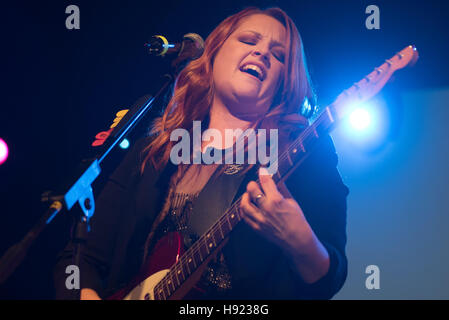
(249, 42)
(280, 56)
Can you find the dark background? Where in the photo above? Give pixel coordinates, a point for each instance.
(60, 87)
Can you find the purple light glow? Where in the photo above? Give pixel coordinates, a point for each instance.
(3, 151)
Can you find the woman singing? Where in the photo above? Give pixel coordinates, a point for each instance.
(291, 242)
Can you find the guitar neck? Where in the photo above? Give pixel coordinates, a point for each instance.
(288, 161)
(198, 253)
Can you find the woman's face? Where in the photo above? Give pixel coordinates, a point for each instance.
(248, 67)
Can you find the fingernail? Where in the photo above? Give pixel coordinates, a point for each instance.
(263, 171)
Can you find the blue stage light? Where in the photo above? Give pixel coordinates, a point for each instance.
(360, 119)
(366, 127)
(124, 144)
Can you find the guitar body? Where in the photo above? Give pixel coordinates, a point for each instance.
(165, 254)
(165, 265)
(145, 289)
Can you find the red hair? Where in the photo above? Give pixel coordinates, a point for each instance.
(194, 88)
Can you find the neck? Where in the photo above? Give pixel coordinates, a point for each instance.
(221, 119)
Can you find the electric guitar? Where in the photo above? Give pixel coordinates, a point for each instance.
(171, 272)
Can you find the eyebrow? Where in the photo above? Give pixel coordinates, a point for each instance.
(259, 36)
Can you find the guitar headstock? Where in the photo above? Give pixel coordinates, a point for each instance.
(373, 82)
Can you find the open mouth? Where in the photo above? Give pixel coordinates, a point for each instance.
(254, 71)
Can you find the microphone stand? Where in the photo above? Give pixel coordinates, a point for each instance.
(81, 190)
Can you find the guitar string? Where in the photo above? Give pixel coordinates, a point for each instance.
(295, 144)
(196, 246)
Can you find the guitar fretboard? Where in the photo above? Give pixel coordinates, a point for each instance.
(206, 244)
(291, 158)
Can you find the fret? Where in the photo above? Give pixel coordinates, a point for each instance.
(289, 158)
(225, 227)
(283, 167)
(198, 247)
(197, 259)
(301, 146)
(186, 265)
(185, 268)
(170, 281)
(229, 222)
(203, 249)
(314, 131)
(297, 149)
(379, 70)
(179, 273)
(334, 112)
(308, 140)
(220, 227)
(171, 274)
(160, 292)
(216, 234)
(329, 113)
(210, 241)
(166, 289)
(175, 279)
(324, 122)
(191, 265)
(156, 293)
(233, 219)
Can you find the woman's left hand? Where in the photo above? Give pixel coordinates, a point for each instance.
(276, 217)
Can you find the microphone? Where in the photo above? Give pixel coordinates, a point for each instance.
(191, 47)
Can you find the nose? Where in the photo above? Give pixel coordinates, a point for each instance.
(265, 57)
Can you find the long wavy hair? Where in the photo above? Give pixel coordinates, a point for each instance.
(194, 89)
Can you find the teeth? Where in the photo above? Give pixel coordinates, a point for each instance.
(255, 68)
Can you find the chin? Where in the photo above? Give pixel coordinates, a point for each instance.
(247, 110)
(246, 94)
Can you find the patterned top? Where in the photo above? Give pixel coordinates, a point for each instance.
(216, 278)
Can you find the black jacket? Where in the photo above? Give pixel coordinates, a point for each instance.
(129, 202)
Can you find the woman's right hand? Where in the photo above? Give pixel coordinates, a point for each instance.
(89, 294)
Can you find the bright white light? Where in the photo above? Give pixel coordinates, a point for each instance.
(124, 144)
(360, 119)
(3, 151)
(366, 126)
